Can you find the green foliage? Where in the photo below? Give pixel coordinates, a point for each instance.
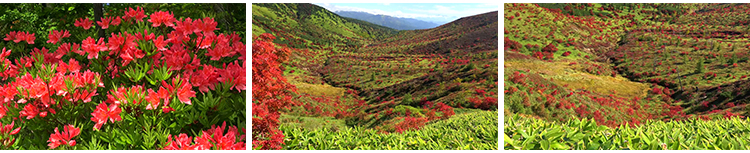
(580, 134)
(446, 134)
(699, 66)
(406, 99)
(139, 128)
(469, 67)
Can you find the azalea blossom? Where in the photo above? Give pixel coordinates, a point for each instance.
(55, 36)
(185, 92)
(65, 138)
(207, 26)
(84, 22)
(104, 23)
(92, 47)
(213, 138)
(102, 113)
(165, 17)
(160, 43)
(137, 14)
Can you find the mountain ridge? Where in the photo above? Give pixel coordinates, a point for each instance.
(397, 23)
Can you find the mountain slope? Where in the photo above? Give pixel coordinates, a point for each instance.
(389, 21)
(309, 22)
(354, 74)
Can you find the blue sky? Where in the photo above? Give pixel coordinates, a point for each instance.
(440, 13)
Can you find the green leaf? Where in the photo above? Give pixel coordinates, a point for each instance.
(545, 145)
(559, 146)
(507, 140)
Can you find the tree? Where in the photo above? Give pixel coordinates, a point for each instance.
(98, 14)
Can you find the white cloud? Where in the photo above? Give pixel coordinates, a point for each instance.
(444, 11)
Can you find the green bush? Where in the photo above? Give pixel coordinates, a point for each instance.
(581, 134)
(447, 134)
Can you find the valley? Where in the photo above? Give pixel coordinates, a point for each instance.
(348, 84)
(589, 76)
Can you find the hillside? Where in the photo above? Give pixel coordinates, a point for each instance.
(389, 21)
(351, 74)
(625, 68)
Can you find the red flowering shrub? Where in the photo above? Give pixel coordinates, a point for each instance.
(130, 90)
(550, 48)
(512, 44)
(268, 86)
(566, 53)
(213, 138)
(56, 139)
(410, 123)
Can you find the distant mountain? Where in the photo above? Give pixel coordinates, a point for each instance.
(389, 21)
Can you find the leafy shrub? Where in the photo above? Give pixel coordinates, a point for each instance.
(406, 99)
(444, 134)
(699, 66)
(95, 90)
(522, 133)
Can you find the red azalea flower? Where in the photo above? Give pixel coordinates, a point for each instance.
(8, 129)
(10, 36)
(32, 87)
(185, 27)
(208, 25)
(93, 48)
(29, 111)
(55, 36)
(205, 78)
(56, 139)
(235, 74)
(153, 99)
(116, 20)
(222, 48)
(214, 137)
(67, 47)
(20, 36)
(145, 35)
(176, 57)
(226, 141)
(104, 23)
(204, 40)
(116, 96)
(175, 38)
(115, 41)
(137, 14)
(167, 109)
(160, 17)
(84, 22)
(160, 43)
(181, 142)
(102, 113)
(30, 38)
(185, 92)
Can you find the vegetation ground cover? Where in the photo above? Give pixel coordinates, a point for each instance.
(613, 76)
(362, 86)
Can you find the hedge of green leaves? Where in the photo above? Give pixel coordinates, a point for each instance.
(477, 131)
(534, 134)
